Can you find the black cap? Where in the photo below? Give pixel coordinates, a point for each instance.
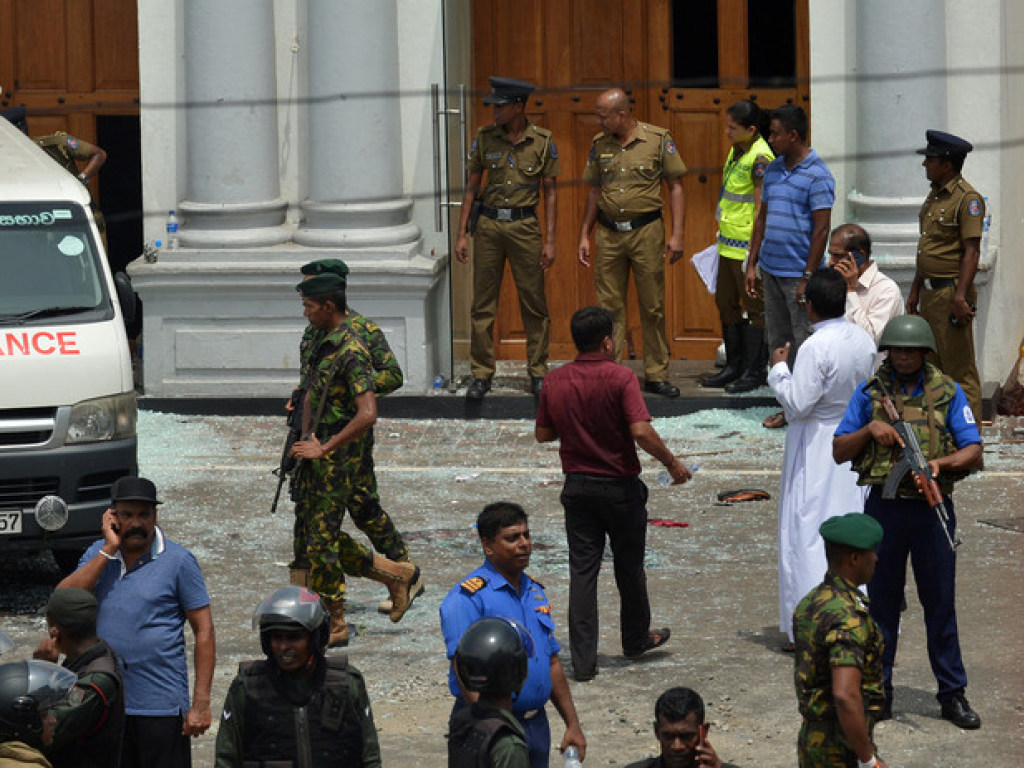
(15, 116)
(942, 144)
(134, 489)
(506, 90)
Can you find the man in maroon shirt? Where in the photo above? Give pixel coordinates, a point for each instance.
(597, 410)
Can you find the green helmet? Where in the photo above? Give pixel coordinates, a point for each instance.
(907, 331)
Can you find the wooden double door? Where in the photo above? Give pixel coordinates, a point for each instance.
(683, 63)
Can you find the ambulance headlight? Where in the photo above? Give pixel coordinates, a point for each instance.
(105, 418)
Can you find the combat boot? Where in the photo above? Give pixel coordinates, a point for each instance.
(398, 578)
(418, 588)
(732, 335)
(339, 628)
(298, 577)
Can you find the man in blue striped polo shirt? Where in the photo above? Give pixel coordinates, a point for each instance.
(791, 230)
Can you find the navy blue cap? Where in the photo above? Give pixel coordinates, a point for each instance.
(506, 90)
(942, 144)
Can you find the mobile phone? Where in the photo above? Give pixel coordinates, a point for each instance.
(858, 258)
(702, 734)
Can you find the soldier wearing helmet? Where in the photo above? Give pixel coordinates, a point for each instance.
(27, 691)
(297, 701)
(938, 411)
(490, 661)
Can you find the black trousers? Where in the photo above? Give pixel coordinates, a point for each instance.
(155, 742)
(596, 508)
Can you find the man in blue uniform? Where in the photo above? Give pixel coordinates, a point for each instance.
(500, 587)
(937, 410)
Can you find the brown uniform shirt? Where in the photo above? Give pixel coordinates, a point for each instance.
(950, 214)
(65, 150)
(630, 176)
(514, 171)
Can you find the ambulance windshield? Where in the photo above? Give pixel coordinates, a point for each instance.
(49, 264)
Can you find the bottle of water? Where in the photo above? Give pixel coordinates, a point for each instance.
(172, 231)
(572, 758)
(440, 382)
(985, 226)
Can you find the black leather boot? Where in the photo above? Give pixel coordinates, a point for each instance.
(755, 361)
(732, 335)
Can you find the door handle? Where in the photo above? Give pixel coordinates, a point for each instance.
(440, 111)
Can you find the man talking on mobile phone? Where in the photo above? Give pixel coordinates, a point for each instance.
(681, 732)
(872, 298)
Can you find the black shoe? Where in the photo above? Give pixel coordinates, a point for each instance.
(662, 388)
(655, 639)
(536, 385)
(478, 389)
(584, 677)
(960, 714)
(886, 713)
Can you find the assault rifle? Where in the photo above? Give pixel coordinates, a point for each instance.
(912, 460)
(289, 462)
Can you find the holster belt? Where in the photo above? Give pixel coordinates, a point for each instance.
(935, 283)
(508, 214)
(630, 224)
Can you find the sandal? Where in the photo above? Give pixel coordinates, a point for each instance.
(775, 421)
(655, 639)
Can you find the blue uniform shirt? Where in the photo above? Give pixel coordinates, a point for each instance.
(472, 600)
(959, 417)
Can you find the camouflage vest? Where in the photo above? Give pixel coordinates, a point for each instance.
(926, 414)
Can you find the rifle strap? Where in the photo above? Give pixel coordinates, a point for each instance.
(323, 395)
(933, 433)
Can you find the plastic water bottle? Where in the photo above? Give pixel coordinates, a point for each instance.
(440, 382)
(665, 479)
(172, 231)
(985, 226)
(572, 758)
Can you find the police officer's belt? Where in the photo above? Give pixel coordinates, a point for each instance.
(508, 214)
(629, 225)
(935, 283)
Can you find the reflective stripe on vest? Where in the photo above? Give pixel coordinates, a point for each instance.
(735, 197)
(730, 242)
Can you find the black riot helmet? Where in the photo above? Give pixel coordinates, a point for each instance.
(293, 608)
(492, 656)
(27, 688)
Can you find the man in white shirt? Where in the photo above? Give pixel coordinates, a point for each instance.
(836, 357)
(872, 298)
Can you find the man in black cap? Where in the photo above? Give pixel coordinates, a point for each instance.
(951, 222)
(148, 587)
(89, 723)
(838, 659)
(519, 158)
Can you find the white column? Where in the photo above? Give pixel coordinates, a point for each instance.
(355, 161)
(233, 191)
(901, 61)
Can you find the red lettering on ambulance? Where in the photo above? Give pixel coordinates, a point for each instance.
(41, 336)
(68, 343)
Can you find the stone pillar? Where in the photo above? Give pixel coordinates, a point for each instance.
(901, 92)
(355, 159)
(233, 190)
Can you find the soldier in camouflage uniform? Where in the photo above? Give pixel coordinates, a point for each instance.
(339, 411)
(838, 663)
(365, 508)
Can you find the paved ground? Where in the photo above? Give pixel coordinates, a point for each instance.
(713, 582)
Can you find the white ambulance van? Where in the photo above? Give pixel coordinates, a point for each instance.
(67, 400)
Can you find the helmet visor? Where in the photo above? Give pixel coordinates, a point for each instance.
(48, 683)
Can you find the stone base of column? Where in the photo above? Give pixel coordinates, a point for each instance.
(233, 225)
(226, 323)
(356, 225)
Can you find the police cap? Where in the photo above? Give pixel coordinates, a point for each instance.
(72, 607)
(506, 90)
(325, 266)
(942, 144)
(855, 530)
(320, 284)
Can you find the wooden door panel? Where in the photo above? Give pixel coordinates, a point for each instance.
(39, 43)
(117, 44)
(598, 43)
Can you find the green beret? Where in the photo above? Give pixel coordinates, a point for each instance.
(854, 529)
(326, 266)
(325, 283)
(72, 607)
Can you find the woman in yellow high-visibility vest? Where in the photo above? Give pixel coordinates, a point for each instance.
(740, 196)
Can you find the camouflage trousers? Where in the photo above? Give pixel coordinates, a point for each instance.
(821, 744)
(325, 489)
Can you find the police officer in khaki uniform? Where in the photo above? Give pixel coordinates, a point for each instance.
(627, 163)
(943, 292)
(518, 157)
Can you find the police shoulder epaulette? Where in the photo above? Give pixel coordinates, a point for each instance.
(545, 132)
(598, 136)
(657, 130)
(474, 584)
(489, 129)
(534, 581)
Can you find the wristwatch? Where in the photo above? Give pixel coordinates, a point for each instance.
(808, 275)
(84, 179)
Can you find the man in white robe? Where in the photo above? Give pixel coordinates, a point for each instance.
(831, 363)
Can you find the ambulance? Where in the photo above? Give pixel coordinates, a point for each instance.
(67, 399)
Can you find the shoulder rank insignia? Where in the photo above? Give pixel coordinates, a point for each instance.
(474, 584)
(534, 581)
